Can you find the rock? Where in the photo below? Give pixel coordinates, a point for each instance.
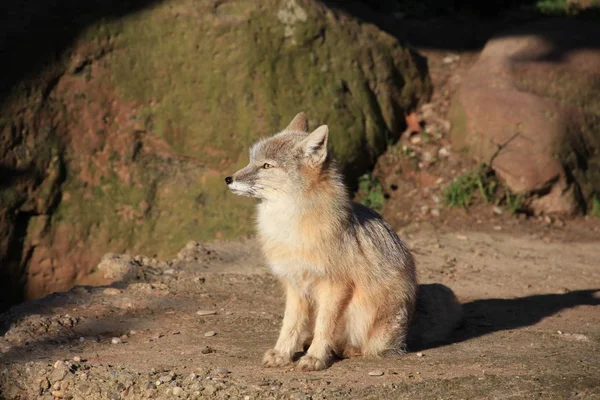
(177, 391)
(419, 354)
(77, 359)
(58, 394)
(443, 152)
(530, 108)
(435, 212)
(59, 372)
(206, 350)
(210, 333)
(115, 340)
(498, 210)
(376, 372)
(111, 291)
(115, 267)
(206, 312)
(94, 185)
(165, 378)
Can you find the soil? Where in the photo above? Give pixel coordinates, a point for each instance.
(532, 328)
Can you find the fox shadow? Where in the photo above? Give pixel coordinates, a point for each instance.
(485, 316)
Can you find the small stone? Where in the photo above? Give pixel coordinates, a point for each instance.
(81, 339)
(377, 372)
(115, 340)
(443, 152)
(497, 228)
(56, 385)
(416, 139)
(169, 271)
(419, 354)
(124, 337)
(497, 210)
(559, 332)
(222, 371)
(547, 219)
(424, 209)
(210, 333)
(177, 391)
(58, 363)
(206, 350)
(132, 332)
(58, 393)
(435, 212)
(77, 359)
(206, 312)
(111, 291)
(165, 378)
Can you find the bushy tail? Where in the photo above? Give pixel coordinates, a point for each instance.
(438, 313)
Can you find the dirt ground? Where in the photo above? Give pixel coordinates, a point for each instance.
(532, 329)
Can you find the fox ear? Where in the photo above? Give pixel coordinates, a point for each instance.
(315, 145)
(299, 123)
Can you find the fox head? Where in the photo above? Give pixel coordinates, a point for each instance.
(284, 165)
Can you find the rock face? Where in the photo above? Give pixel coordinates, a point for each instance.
(530, 107)
(120, 143)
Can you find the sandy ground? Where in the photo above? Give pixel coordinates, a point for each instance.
(532, 329)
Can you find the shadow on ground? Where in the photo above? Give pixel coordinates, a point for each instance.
(487, 316)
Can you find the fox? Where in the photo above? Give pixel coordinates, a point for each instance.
(350, 282)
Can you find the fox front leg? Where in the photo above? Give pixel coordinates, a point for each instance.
(295, 321)
(331, 300)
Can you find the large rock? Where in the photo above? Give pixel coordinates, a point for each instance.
(530, 107)
(121, 143)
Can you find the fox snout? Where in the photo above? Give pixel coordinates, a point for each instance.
(229, 180)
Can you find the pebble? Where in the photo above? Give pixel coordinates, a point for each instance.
(111, 291)
(165, 378)
(419, 354)
(81, 339)
(435, 212)
(424, 209)
(169, 271)
(498, 211)
(77, 359)
(115, 340)
(132, 332)
(58, 363)
(177, 391)
(206, 350)
(443, 152)
(497, 228)
(222, 371)
(416, 139)
(206, 312)
(210, 333)
(58, 393)
(377, 372)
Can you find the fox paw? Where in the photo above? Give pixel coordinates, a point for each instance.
(275, 358)
(310, 363)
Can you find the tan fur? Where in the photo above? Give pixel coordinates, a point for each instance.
(349, 280)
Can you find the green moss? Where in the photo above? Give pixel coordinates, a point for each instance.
(370, 192)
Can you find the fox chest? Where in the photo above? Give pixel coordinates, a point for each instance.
(290, 251)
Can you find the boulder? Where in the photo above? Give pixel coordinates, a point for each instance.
(530, 108)
(121, 142)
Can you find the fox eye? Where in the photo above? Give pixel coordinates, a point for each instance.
(267, 166)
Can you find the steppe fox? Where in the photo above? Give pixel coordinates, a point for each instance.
(350, 281)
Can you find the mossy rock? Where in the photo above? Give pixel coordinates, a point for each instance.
(157, 106)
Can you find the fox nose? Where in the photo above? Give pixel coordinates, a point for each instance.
(229, 180)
